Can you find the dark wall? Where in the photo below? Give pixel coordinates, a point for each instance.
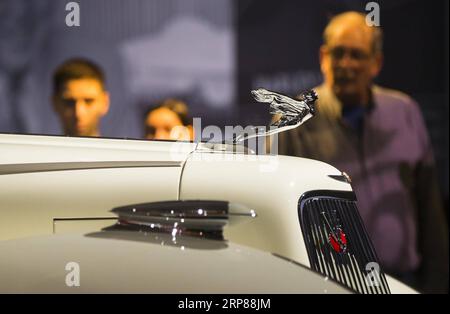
(148, 49)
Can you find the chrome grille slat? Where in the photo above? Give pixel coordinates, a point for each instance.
(353, 243)
(322, 238)
(384, 285)
(346, 266)
(315, 256)
(367, 246)
(337, 272)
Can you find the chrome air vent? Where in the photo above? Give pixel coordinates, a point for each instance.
(194, 218)
(337, 242)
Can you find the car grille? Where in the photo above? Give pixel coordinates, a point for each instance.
(337, 242)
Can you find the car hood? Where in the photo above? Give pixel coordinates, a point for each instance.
(130, 262)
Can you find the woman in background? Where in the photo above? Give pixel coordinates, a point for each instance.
(169, 121)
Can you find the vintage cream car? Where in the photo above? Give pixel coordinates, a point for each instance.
(58, 192)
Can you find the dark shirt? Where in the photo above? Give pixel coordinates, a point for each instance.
(387, 153)
(354, 116)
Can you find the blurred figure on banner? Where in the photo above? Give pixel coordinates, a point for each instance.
(79, 97)
(378, 137)
(169, 121)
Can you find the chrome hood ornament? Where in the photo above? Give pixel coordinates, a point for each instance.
(293, 113)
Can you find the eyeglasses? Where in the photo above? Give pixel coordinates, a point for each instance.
(337, 53)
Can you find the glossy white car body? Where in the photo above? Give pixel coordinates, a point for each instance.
(55, 185)
(124, 263)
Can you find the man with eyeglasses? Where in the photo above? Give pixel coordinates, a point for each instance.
(378, 137)
(79, 97)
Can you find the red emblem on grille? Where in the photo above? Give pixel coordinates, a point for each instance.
(336, 237)
(338, 241)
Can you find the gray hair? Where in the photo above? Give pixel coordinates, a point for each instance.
(360, 18)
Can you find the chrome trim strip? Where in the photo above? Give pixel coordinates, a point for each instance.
(81, 165)
(194, 218)
(83, 218)
(342, 177)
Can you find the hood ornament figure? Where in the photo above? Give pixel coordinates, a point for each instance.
(292, 112)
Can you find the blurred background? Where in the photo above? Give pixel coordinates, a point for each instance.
(210, 54)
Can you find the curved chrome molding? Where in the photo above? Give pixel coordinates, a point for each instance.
(81, 165)
(343, 177)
